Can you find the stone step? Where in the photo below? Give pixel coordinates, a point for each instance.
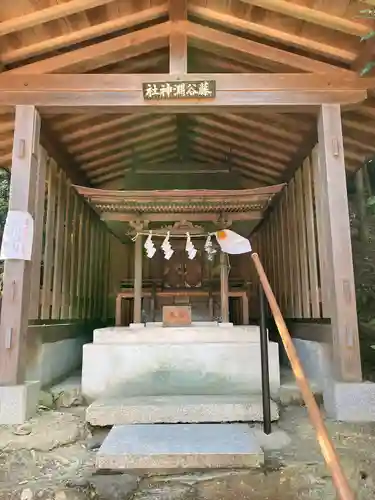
(177, 335)
(177, 409)
(179, 446)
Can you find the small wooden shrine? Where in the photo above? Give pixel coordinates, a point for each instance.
(201, 280)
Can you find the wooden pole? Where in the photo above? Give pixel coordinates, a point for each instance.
(138, 280)
(17, 273)
(224, 288)
(326, 446)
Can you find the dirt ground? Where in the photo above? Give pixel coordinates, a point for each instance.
(52, 457)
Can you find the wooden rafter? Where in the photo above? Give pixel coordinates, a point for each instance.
(49, 14)
(270, 33)
(131, 132)
(243, 134)
(102, 53)
(96, 161)
(252, 170)
(235, 43)
(313, 16)
(178, 37)
(162, 153)
(13, 55)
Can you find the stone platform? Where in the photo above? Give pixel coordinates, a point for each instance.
(177, 409)
(204, 359)
(179, 447)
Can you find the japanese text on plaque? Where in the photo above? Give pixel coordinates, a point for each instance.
(179, 90)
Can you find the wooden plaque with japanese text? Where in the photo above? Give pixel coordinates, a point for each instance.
(202, 89)
(176, 316)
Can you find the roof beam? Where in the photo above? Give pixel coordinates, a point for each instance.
(52, 13)
(259, 165)
(166, 152)
(126, 21)
(118, 93)
(242, 133)
(96, 160)
(93, 56)
(248, 47)
(123, 133)
(313, 16)
(181, 217)
(178, 37)
(208, 151)
(284, 37)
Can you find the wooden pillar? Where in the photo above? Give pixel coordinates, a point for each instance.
(137, 318)
(224, 299)
(335, 251)
(17, 273)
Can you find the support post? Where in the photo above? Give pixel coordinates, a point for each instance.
(335, 251)
(224, 287)
(266, 393)
(17, 273)
(137, 317)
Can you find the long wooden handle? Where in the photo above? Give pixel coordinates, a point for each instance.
(330, 456)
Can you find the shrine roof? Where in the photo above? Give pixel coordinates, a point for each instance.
(179, 201)
(118, 37)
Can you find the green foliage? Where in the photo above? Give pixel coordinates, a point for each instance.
(367, 14)
(4, 200)
(4, 197)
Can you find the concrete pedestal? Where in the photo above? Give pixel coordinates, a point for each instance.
(197, 360)
(350, 402)
(18, 403)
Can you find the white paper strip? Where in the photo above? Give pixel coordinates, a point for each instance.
(17, 241)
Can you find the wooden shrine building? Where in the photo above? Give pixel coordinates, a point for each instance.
(181, 116)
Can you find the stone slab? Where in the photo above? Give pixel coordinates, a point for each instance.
(177, 335)
(350, 402)
(176, 369)
(179, 446)
(177, 409)
(18, 403)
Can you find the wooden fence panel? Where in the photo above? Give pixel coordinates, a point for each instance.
(287, 244)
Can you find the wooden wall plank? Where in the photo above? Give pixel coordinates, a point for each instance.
(301, 221)
(68, 250)
(59, 246)
(80, 263)
(85, 262)
(106, 274)
(296, 250)
(49, 241)
(39, 216)
(290, 251)
(73, 271)
(334, 234)
(17, 273)
(91, 267)
(311, 239)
